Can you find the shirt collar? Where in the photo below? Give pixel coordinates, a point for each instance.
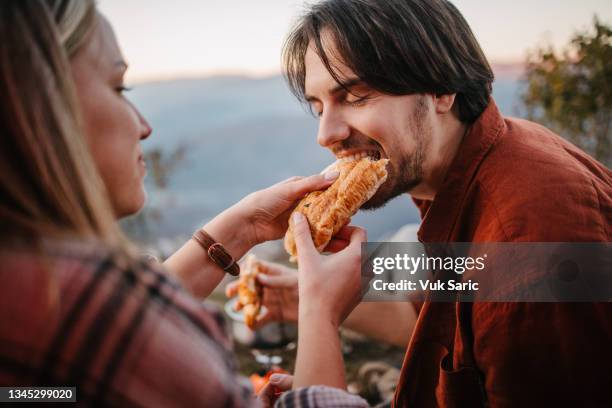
(441, 217)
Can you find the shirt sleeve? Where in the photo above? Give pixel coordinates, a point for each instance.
(131, 336)
(181, 356)
(320, 396)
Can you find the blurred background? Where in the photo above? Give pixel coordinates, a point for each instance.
(206, 74)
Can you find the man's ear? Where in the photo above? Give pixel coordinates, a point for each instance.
(444, 103)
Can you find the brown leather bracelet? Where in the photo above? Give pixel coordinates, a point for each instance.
(216, 252)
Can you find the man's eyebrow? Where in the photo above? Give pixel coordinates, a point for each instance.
(346, 85)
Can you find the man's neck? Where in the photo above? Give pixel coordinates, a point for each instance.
(439, 161)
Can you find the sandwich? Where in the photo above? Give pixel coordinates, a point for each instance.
(329, 210)
(249, 290)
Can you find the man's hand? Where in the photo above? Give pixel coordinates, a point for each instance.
(280, 293)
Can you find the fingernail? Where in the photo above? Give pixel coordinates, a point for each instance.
(262, 277)
(331, 175)
(275, 378)
(297, 217)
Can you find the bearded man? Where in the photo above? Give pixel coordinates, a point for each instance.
(406, 80)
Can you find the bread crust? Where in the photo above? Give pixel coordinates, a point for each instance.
(329, 210)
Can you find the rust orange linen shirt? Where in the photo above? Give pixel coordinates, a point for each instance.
(513, 181)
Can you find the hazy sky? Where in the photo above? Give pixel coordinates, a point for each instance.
(169, 39)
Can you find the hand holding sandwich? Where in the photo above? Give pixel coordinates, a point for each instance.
(329, 288)
(265, 213)
(259, 217)
(279, 285)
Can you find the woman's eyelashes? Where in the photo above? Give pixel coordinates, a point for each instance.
(122, 88)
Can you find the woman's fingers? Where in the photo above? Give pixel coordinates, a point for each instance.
(278, 383)
(283, 382)
(295, 190)
(358, 235)
(267, 395)
(336, 245)
(289, 180)
(349, 236)
(341, 240)
(345, 232)
(303, 240)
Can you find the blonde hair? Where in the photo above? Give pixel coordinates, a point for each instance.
(49, 184)
(74, 21)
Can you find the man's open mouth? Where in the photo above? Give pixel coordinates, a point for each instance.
(359, 154)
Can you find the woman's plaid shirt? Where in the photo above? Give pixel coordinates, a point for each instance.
(122, 336)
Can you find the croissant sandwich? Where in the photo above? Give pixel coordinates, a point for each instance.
(249, 290)
(329, 210)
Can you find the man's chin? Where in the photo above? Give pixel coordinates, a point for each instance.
(383, 195)
(371, 205)
(378, 200)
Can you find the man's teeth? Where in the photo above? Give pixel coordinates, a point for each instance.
(358, 156)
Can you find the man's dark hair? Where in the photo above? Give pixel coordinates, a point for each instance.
(396, 47)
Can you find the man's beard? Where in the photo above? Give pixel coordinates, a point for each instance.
(406, 172)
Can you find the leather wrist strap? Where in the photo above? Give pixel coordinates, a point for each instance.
(216, 252)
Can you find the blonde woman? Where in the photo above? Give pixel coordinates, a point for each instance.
(77, 307)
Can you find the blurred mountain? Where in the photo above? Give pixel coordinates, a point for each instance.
(241, 134)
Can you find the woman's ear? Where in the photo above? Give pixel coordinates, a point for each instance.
(444, 103)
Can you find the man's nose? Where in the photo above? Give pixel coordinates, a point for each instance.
(332, 129)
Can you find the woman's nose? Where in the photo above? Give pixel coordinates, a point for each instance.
(145, 126)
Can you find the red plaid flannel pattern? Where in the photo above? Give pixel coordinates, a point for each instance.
(122, 336)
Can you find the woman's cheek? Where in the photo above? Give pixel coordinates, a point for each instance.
(129, 196)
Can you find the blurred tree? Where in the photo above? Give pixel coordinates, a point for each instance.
(572, 92)
(161, 165)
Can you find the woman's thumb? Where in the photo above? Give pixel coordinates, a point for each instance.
(283, 381)
(301, 233)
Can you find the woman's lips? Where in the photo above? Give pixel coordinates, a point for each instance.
(142, 163)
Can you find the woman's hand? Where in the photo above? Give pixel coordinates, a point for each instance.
(265, 212)
(329, 289)
(329, 286)
(278, 384)
(280, 293)
(259, 217)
